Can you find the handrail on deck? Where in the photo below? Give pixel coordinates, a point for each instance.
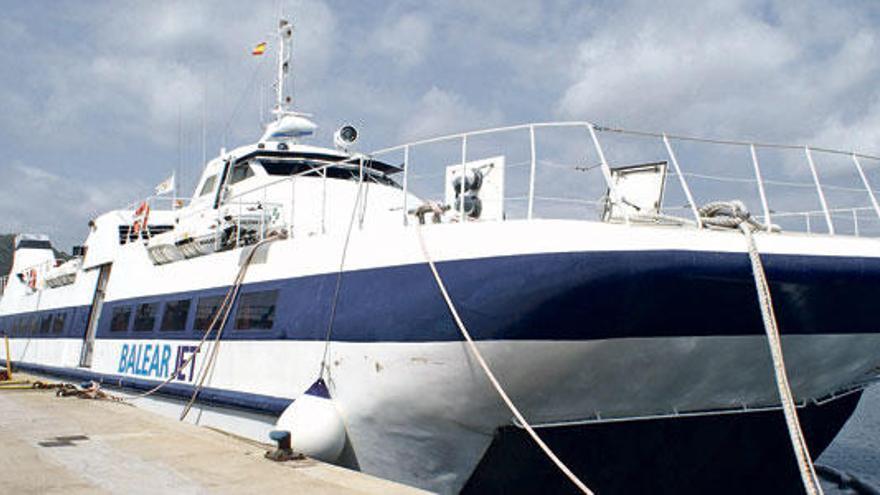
(667, 140)
(593, 138)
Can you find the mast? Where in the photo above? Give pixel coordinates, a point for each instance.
(289, 125)
(283, 102)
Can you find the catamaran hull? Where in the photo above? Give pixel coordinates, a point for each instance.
(719, 454)
(613, 324)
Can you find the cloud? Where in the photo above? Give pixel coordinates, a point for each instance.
(36, 200)
(98, 99)
(722, 68)
(137, 68)
(441, 112)
(405, 39)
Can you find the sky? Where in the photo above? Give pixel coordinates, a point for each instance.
(102, 100)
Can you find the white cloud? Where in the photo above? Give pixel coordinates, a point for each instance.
(441, 112)
(98, 98)
(722, 69)
(36, 200)
(138, 66)
(405, 39)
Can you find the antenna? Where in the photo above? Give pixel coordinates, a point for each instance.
(176, 173)
(289, 125)
(204, 123)
(283, 102)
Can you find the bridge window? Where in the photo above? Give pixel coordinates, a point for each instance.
(58, 323)
(145, 317)
(176, 313)
(345, 171)
(206, 311)
(120, 319)
(241, 172)
(209, 185)
(256, 310)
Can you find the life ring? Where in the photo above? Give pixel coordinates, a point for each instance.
(32, 279)
(141, 215)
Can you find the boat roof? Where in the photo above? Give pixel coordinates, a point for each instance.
(303, 151)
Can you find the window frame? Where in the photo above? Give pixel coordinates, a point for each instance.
(241, 306)
(117, 310)
(165, 312)
(208, 186)
(46, 323)
(153, 317)
(196, 326)
(59, 317)
(235, 177)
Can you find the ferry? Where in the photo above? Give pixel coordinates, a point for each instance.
(351, 299)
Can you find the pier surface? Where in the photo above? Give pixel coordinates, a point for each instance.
(70, 445)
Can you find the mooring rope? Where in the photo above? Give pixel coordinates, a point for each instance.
(795, 433)
(236, 288)
(224, 308)
(733, 214)
(491, 376)
(325, 368)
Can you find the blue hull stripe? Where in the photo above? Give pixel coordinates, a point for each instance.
(262, 404)
(560, 296)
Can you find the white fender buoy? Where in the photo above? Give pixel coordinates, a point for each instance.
(315, 426)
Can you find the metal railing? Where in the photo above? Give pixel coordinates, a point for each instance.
(763, 170)
(158, 202)
(288, 207)
(566, 170)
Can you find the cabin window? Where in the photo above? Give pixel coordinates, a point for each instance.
(286, 167)
(206, 311)
(241, 172)
(174, 318)
(256, 310)
(45, 324)
(34, 325)
(208, 187)
(344, 171)
(145, 317)
(119, 320)
(58, 323)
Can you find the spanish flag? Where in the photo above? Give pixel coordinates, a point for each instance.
(259, 49)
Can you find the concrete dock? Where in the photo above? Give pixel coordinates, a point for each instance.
(69, 445)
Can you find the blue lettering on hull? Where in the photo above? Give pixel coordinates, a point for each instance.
(153, 360)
